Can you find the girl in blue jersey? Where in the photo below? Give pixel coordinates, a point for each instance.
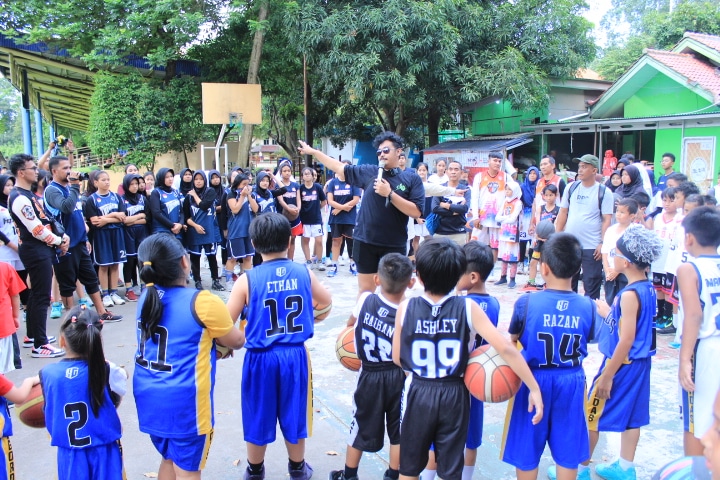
(175, 361)
(81, 393)
(239, 204)
(105, 212)
(135, 232)
(8, 391)
(166, 205)
(312, 201)
(619, 399)
(199, 210)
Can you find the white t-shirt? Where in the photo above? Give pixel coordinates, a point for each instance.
(584, 217)
(612, 235)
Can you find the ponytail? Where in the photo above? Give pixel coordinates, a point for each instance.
(81, 330)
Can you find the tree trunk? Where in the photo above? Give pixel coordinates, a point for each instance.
(254, 67)
(433, 126)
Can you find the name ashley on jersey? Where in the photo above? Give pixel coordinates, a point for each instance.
(431, 327)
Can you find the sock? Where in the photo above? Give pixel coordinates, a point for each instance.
(582, 468)
(113, 292)
(106, 293)
(624, 464)
(350, 472)
(660, 309)
(668, 309)
(428, 474)
(255, 468)
(394, 474)
(296, 465)
(468, 472)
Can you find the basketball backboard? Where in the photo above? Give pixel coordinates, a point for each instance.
(231, 103)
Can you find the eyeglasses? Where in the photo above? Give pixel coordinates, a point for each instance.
(614, 253)
(385, 150)
(30, 168)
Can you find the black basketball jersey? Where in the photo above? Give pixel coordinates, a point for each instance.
(374, 330)
(436, 336)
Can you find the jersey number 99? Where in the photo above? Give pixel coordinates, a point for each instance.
(435, 361)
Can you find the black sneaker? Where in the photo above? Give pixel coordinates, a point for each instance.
(670, 330)
(109, 317)
(502, 281)
(216, 285)
(198, 285)
(340, 475)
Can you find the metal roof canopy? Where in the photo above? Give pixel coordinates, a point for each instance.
(487, 144)
(59, 85)
(629, 124)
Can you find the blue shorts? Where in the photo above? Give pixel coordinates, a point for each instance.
(103, 461)
(108, 246)
(563, 426)
(629, 403)
(134, 235)
(475, 425)
(240, 247)
(208, 248)
(7, 469)
(188, 453)
(276, 387)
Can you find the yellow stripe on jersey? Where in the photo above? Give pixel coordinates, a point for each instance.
(506, 427)
(213, 314)
(594, 406)
(9, 458)
(310, 394)
(206, 449)
(203, 383)
(124, 475)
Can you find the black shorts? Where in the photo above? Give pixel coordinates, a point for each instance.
(341, 230)
(376, 402)
(73, 266)
(658, 280)
(367, 256)
(434, 412)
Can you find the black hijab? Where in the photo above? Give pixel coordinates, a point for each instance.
(3, 197)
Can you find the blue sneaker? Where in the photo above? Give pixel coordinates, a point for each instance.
(353, 269)
(85, 301)
(332, 271)
(674, 345)
(613, 471)
(584, 475)
(305, 473)
(56, 310)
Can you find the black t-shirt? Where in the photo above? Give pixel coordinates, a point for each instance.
(378, 223)
(310, 213)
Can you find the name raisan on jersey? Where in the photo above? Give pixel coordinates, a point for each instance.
(431, 327)
(562, 321)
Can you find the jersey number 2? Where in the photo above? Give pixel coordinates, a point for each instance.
(78, 412)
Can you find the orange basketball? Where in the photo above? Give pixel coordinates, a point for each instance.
(345, 349)
(31, 411)
(489, 378)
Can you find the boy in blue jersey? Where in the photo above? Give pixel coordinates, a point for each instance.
(283, 300)
(619, 399)
(553, 328)
(699, 283)
(380, 384)
(432, 347)
(479, 267)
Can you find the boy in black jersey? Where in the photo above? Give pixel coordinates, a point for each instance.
(433, 348)
(380, 384)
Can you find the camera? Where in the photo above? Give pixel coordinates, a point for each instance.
(81, 176)
(61, 141)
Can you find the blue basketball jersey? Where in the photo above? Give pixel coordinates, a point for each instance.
(374, 330)
(107, 204)
(171, 206)
(239, 223)
(343, 193)
(491, 307)
(266, 203)
(131, 209)
(554, 327)
(280, 308)
(436, 337)
(204, 218)
(178, 364)
(291, 196)
(5, 418)
(68, 407)
(609, 333)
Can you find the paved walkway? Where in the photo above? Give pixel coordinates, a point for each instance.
(333, 387)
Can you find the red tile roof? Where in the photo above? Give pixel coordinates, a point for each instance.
(711, 41)
(705, 74)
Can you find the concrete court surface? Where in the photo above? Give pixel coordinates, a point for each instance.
(333, 388)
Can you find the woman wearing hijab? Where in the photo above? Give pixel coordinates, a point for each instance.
(614, 181)
(186, 182)
(166, 205)
(135, 232)
(632, 182)
(199, 210)
(529, 188)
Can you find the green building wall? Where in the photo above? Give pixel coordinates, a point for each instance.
(663, 96)
(500, 118)
(671, 140)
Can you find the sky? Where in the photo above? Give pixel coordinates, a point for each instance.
(598, 9)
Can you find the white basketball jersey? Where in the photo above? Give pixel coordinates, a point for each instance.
(708, 270)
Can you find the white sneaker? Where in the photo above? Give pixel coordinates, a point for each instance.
(117, 300)
(108, 301)
(341, 260)
(237, 270)
(329, 262)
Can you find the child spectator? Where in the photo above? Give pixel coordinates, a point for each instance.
(281, 298)
(289, 203)
(436, 402)
(625, 213)
(81, 394)
(509, 236)
(548, 210)
(10, 287)
(166, 205)
(529, 190)
(699, 283)
(480, 264)
(342, 199)
(379, 388)
(619, 399)
(135, 232)
(239, 203)
(553, 327)
(312, 200)
(177, 332)
(105, 213)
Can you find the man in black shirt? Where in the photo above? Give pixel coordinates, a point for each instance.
(386, 204)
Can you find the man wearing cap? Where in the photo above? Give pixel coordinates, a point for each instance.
(586, 211)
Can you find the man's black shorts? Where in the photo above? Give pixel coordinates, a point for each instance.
(367, 256)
